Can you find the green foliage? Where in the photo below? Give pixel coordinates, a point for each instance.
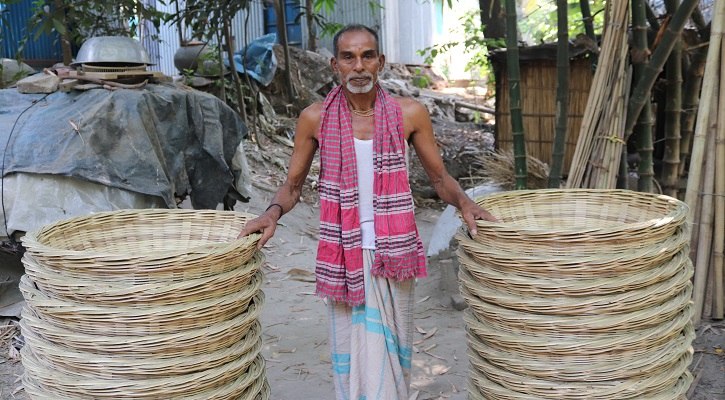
(206, 18)
(474, 44)
(81, 19)
(539, 20)
(421, 80)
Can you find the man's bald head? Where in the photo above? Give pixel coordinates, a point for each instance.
(354, 28)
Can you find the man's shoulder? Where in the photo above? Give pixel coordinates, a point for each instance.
(312, 112)
(411, 107)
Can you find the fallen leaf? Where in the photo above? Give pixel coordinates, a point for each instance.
(300, 274)
(420, 330)
(423, 299)
(440, 369)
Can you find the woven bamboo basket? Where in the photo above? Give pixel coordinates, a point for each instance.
(176, 344)
(250, 384)
(142, 246)
(554, 219)
(108, 292)
(578, 294)
(143, 304)
(137, 320)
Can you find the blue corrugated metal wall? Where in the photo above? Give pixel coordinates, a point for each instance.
(42, 52)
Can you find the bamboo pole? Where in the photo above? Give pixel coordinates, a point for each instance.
(589, 27)
(703, 114)
(642, 91)
(704, 245)
(603, 85)
(514, 76)
(690, 101)
(643, 128)
(562, 94)
(673, 114)
(719, 244)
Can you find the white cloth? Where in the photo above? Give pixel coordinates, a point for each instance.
(364, 160)
(372, 344)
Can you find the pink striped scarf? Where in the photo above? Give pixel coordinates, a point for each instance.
(398, 248)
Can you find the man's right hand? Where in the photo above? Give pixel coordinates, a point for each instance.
(265, 223)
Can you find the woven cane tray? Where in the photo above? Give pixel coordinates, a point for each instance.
(137, 320)
(184, 343)
(144, 245)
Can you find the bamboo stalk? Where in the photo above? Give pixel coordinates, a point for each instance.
(704, 245)
(690, 101)
(562, 94)
(643, 128)
(602, 90)
(589, 26)
(673, 114)
(642, 91)
(719, 244)
(703, 114)
(514, 75)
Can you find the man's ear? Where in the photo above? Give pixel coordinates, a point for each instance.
(333, 64)
(382, 62)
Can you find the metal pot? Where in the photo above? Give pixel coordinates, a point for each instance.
(112, 50)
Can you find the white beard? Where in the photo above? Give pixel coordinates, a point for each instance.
(360, 89)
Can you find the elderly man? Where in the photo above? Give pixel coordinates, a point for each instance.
(369, 251)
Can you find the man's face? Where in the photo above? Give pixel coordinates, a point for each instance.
(357, 62)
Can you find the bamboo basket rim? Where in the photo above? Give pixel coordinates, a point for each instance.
(120, 320)
(554, 285)
(637, 387)
(33, 241)
(517, 321)
(676, 216)
(479, 382)
(188, 384)
(188, 342)
(584, 345)
(599, 368)
(606, 304)
(131, 366)
(594, 264)
(163, 292)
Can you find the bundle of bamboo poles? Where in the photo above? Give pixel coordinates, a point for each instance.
(706, 193)
(599, 149)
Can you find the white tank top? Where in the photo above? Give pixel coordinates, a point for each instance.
(365, 177)
(364, 159)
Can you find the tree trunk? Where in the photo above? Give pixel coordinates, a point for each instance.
(589, 27)
(64, 36)
(311, 31)
(673, 115)
(690, 101)
(242, 108)
(562, 93)
(492, 19)
(643, 129)
(514, 77)
(642, 90)
(282, 31)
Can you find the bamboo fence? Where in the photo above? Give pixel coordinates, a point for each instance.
(706, 191)
(538, 82)
(595, 163)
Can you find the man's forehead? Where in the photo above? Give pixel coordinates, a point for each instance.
(353, 39)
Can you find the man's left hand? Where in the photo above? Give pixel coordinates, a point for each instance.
(471, 212)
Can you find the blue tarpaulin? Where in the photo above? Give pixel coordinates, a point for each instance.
(259, 61)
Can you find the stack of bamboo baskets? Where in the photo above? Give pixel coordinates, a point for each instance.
(143, 304)
(578, 294)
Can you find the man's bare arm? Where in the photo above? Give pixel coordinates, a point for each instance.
(417, 120)
(288, 195)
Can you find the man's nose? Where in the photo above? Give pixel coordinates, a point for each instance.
(358, 64)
